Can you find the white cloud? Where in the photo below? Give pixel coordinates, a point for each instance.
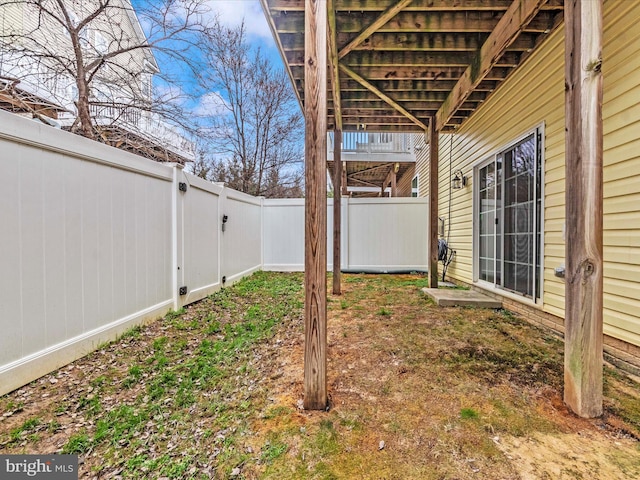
(169, 93)
(211, 104)
(232, 12)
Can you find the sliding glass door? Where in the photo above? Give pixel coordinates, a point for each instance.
(508, 210)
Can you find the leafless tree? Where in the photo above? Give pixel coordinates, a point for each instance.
(93, 58)
(255, 127)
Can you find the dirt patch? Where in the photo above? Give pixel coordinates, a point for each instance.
(416, 391)
(585, 455)
(419, 391)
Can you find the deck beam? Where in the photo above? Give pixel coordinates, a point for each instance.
(387, 15)
(512, 23)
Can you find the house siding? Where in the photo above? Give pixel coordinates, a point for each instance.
(422, 165)
(533, 97)
(39, 29)
(11, 20)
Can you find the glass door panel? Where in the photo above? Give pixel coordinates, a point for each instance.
(509, 223)
(487, 223)
(518, 231)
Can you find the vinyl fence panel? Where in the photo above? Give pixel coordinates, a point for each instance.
(378, 234)
(284, 235)
(386, 234)
(84, 240)
(242, 236)
(94, 240)
(201, 241)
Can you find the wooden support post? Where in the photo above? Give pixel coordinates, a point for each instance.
(394, 186)
(337, 208)
(337, 143)
(315, 105)
(583, 163)
(433, 204)
(345, 190)
(391, 179)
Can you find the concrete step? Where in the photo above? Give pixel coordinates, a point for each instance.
(450, 297)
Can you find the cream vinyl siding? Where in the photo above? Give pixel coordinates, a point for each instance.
(19, 18)
(422, 165)
(532, 97)
(11, 19)
(506, 117)
(621, 117)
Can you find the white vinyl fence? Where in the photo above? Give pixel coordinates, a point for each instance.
(94, 240)
(378, 234)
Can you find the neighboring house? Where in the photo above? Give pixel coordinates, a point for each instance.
(376, 164)
(34, 50)
(507, 224)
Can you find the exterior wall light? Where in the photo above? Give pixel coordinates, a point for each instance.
(459, 180)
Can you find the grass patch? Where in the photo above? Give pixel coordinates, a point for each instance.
(28, 426)
(272, 450)
(213, 391)
(468, 414)
(77, 444)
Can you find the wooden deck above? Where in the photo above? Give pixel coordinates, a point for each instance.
(397, 63)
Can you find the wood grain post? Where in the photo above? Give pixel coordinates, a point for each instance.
(337, 208)
(345, 189)
(315, 105)
(433, 204)
(584, 276)
(394, 188)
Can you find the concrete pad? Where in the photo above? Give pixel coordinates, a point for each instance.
(446, 297)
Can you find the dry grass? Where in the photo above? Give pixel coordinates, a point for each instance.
(416, 391)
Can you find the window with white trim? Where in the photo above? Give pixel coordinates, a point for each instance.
(414, 186)
(508, 217)
(146, 88)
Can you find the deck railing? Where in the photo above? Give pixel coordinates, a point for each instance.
(367, 143)
(37, 79)
(146, 124)
(364, 142)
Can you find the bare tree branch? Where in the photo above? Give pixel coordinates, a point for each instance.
(257, 131)
(92, 57)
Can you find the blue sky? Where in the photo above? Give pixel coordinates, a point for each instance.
(232, 13)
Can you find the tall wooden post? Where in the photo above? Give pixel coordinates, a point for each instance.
(315, 106)
(337, 208)
(394, 188)
(433, 204)
(345, 189)
(583, 293)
